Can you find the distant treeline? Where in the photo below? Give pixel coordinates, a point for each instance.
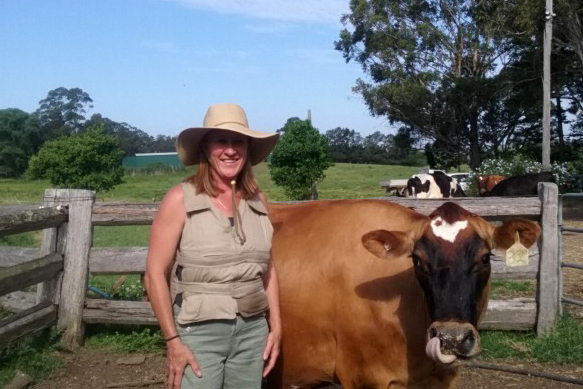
(347, 145)
(62, 113)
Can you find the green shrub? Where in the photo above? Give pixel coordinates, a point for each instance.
(299, 160)
(518, 164)
(91, 160)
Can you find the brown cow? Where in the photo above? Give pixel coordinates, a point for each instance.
(487, 182)
(376, 295)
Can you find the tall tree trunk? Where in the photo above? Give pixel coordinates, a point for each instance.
(475, 152)
(315, 191)
(559, 115)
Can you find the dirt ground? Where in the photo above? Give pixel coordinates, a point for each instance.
(97, 369)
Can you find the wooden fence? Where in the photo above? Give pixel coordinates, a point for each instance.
(66, 258)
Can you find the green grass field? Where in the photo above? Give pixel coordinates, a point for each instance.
(342, 180)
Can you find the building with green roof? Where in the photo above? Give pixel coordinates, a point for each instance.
(150, 160)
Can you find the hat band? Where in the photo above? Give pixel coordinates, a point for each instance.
(223, 123)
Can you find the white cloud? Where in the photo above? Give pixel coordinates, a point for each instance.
(312, 11)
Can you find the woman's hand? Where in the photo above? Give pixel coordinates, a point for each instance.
(271, 350)
(274, 318)
(178, 358)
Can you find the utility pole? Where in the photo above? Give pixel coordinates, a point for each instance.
(546, 157)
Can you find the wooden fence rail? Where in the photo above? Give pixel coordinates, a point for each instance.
(24, 219)
(66, 258)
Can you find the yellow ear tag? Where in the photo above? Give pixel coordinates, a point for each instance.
(517, 254)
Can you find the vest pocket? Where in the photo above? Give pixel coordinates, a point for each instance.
(198, 307)
(252, 304)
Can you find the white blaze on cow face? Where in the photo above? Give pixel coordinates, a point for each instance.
(447, 231)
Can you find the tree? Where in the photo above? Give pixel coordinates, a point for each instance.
(287, 123)
(569, 28)
(345, 145)
(62, 112)
(163, 144)
(131, 139)
(299, 160)
(433, 66)
(375, 148)
(19, 140)
(91, 160)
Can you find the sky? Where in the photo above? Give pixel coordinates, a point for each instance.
(158, 64)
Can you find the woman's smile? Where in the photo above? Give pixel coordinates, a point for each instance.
(227, 152)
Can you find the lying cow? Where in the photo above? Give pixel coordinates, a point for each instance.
(433, 186)
(523, 185)
(376, 295)
(487, 182)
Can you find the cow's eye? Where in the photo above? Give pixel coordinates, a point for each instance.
(486, 258)
(416, 259)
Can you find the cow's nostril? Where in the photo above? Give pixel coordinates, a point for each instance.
(432, 333)
(467, 343)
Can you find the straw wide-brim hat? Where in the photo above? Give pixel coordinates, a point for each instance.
(230, 117)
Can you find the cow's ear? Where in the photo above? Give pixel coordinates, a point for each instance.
(387, 244)
(504, 236)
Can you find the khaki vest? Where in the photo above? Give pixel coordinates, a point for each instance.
(221, 275)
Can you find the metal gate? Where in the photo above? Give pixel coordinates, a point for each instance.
(564, 264)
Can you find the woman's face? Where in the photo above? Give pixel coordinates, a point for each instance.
(227, 153)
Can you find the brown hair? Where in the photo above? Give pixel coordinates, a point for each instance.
(203, 181)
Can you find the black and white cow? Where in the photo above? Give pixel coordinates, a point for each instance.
(434, 185)
(523, 185)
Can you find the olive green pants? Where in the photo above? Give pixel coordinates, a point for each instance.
(229, 352)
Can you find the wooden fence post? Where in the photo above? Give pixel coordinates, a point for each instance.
(52, 240)
(549, 266)
(77, 242)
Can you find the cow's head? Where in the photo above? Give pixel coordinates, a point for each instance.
(450, 252)
(416, 188)
(481, 180)
(487, 182)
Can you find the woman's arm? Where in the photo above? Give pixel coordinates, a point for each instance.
(164, 238)
(274, 339)
(271, 286)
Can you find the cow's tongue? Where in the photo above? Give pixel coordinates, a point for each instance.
(433, 351)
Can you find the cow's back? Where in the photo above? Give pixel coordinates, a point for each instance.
(523, 185)
(343, 309)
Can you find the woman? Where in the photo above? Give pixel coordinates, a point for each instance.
(211, 240)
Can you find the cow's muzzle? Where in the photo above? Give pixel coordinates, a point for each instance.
(446, 341)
